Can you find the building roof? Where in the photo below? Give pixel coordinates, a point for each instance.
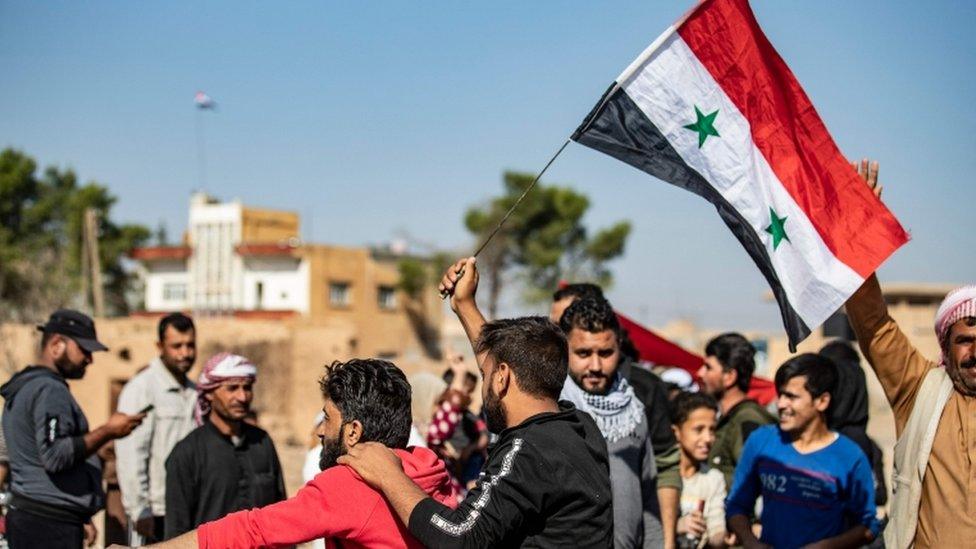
(161, 253)
(266, 249)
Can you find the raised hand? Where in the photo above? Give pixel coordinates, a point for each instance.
(869, 173)
(460, 281)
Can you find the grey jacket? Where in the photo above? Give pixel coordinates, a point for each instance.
(44, 427)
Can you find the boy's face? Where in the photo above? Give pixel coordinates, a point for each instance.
(696, 435)
(798, 410)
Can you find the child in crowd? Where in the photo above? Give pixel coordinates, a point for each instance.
(702, 523)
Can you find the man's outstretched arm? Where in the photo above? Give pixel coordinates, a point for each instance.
(185, 541)
(898, 364)
(462, 290)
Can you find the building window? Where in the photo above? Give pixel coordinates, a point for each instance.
(174, 291)
(339, 294)
(386, 297)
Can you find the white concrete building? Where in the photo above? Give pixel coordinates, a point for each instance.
(233, 259)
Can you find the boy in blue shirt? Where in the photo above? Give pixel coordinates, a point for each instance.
(816, 484)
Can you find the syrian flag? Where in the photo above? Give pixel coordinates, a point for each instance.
(712, 108)
(204, 101)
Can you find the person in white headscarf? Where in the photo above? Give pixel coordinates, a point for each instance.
(934, 497)
(226, 464)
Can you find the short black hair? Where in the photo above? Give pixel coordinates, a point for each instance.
(840, 352)
(820, 371)
(591, 315)
(686, 403)
(535, 350)
(179, 321)
(580, 290)
(376, 393)
(469, 377)
(736, 354)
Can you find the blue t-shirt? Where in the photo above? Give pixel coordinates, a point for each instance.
(806, 497)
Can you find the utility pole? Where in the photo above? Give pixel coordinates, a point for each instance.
(90, 232)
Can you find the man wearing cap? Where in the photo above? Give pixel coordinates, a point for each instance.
(226, 464)
(933, 503)
(55, 478)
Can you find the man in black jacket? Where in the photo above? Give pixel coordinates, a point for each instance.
(546, 482)
(55, 478)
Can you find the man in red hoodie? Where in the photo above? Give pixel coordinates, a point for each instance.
(365, 400)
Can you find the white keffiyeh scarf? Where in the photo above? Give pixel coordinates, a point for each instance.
(617, 413)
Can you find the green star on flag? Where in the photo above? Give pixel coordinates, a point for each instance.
(777, 229)
(704, 125)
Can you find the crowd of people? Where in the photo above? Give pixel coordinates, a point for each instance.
(576, 444)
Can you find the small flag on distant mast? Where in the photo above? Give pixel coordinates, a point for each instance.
(204, 101)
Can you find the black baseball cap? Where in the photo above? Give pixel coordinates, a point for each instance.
(78, 326)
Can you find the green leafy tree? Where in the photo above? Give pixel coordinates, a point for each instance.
(41, 219)
(543, 242)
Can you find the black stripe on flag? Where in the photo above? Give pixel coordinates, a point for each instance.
(617, 127)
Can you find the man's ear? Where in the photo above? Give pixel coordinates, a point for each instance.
(822, 402)
(351, 433)
(502, 378)
(676, 431)
(59, 345)
(209, 396)
(730, 378)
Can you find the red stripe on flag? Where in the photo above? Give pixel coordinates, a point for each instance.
(857, 227)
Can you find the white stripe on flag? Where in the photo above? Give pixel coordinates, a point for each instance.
(667, 88)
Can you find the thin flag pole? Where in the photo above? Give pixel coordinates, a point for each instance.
(201, 150)
(460, 272)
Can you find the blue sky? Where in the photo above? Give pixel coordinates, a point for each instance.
(370, 118)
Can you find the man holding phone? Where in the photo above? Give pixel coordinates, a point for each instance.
(163, 392)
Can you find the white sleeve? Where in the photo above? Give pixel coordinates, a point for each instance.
(132, 452)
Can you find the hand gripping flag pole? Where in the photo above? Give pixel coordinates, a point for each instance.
(460, 272)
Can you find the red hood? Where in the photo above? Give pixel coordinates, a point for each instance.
(427, 471)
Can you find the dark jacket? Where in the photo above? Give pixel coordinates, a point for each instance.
(734, 427)
(207, 476)
(849, 417)
(653, 394)
(50, 474)
(546, 484)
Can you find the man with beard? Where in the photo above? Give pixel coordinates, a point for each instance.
(546, 480)
(163, 388)
(725, 376)
(365, 400)
(652, 392)
(226, 464)
(934, 494)
(55, 478)
(595, 386)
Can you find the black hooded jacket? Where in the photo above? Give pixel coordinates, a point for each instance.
(849, 417)
(546, 484)
(50, 474)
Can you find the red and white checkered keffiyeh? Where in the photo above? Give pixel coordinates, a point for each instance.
(957, 305)
(220, 369)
